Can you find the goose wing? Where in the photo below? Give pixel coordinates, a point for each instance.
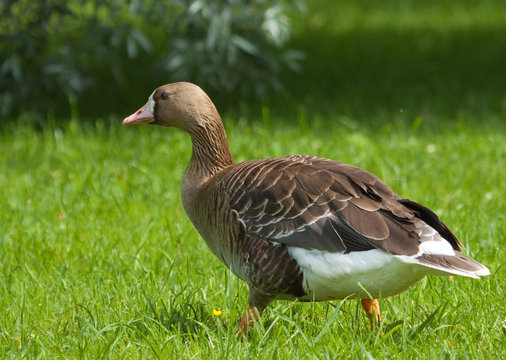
(315, 203)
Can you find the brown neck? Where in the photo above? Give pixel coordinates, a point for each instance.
(210, 152)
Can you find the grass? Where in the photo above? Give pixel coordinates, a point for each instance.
(98, 259)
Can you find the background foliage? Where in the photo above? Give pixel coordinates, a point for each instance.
(55, 54)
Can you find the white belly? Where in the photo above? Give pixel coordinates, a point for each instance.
(358, 274)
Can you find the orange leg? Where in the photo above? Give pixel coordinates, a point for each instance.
(370, 306)
(248, 320)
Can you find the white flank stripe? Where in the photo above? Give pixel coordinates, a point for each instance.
(436, 247)
(339, 275)
(432, 242)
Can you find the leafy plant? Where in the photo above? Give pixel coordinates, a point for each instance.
(57, 54)
(231, 45)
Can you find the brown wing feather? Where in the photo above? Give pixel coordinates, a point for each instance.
(317, 203)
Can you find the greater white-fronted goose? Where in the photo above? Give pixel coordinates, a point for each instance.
(301, 227)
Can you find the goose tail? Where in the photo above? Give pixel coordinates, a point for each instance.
(457, 264)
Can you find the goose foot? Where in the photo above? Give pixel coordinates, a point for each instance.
(251, 315)
(370, 306)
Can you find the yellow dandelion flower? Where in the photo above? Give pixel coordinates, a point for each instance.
(217, 312)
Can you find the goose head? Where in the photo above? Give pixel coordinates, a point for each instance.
(183, 105)
(186, 106)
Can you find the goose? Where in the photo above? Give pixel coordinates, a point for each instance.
(301, 227)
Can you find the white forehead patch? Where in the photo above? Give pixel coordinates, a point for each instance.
(152, 103)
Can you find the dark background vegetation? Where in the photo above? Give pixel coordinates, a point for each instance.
(94, 58)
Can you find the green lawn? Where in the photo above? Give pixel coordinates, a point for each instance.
(98, 259)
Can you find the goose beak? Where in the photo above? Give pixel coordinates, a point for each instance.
(141, 116)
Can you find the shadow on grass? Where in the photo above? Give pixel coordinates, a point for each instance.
(456, 72)
(186, 318)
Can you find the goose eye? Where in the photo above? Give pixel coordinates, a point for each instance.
(164, 96)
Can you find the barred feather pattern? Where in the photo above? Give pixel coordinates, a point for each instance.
(315, 203)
